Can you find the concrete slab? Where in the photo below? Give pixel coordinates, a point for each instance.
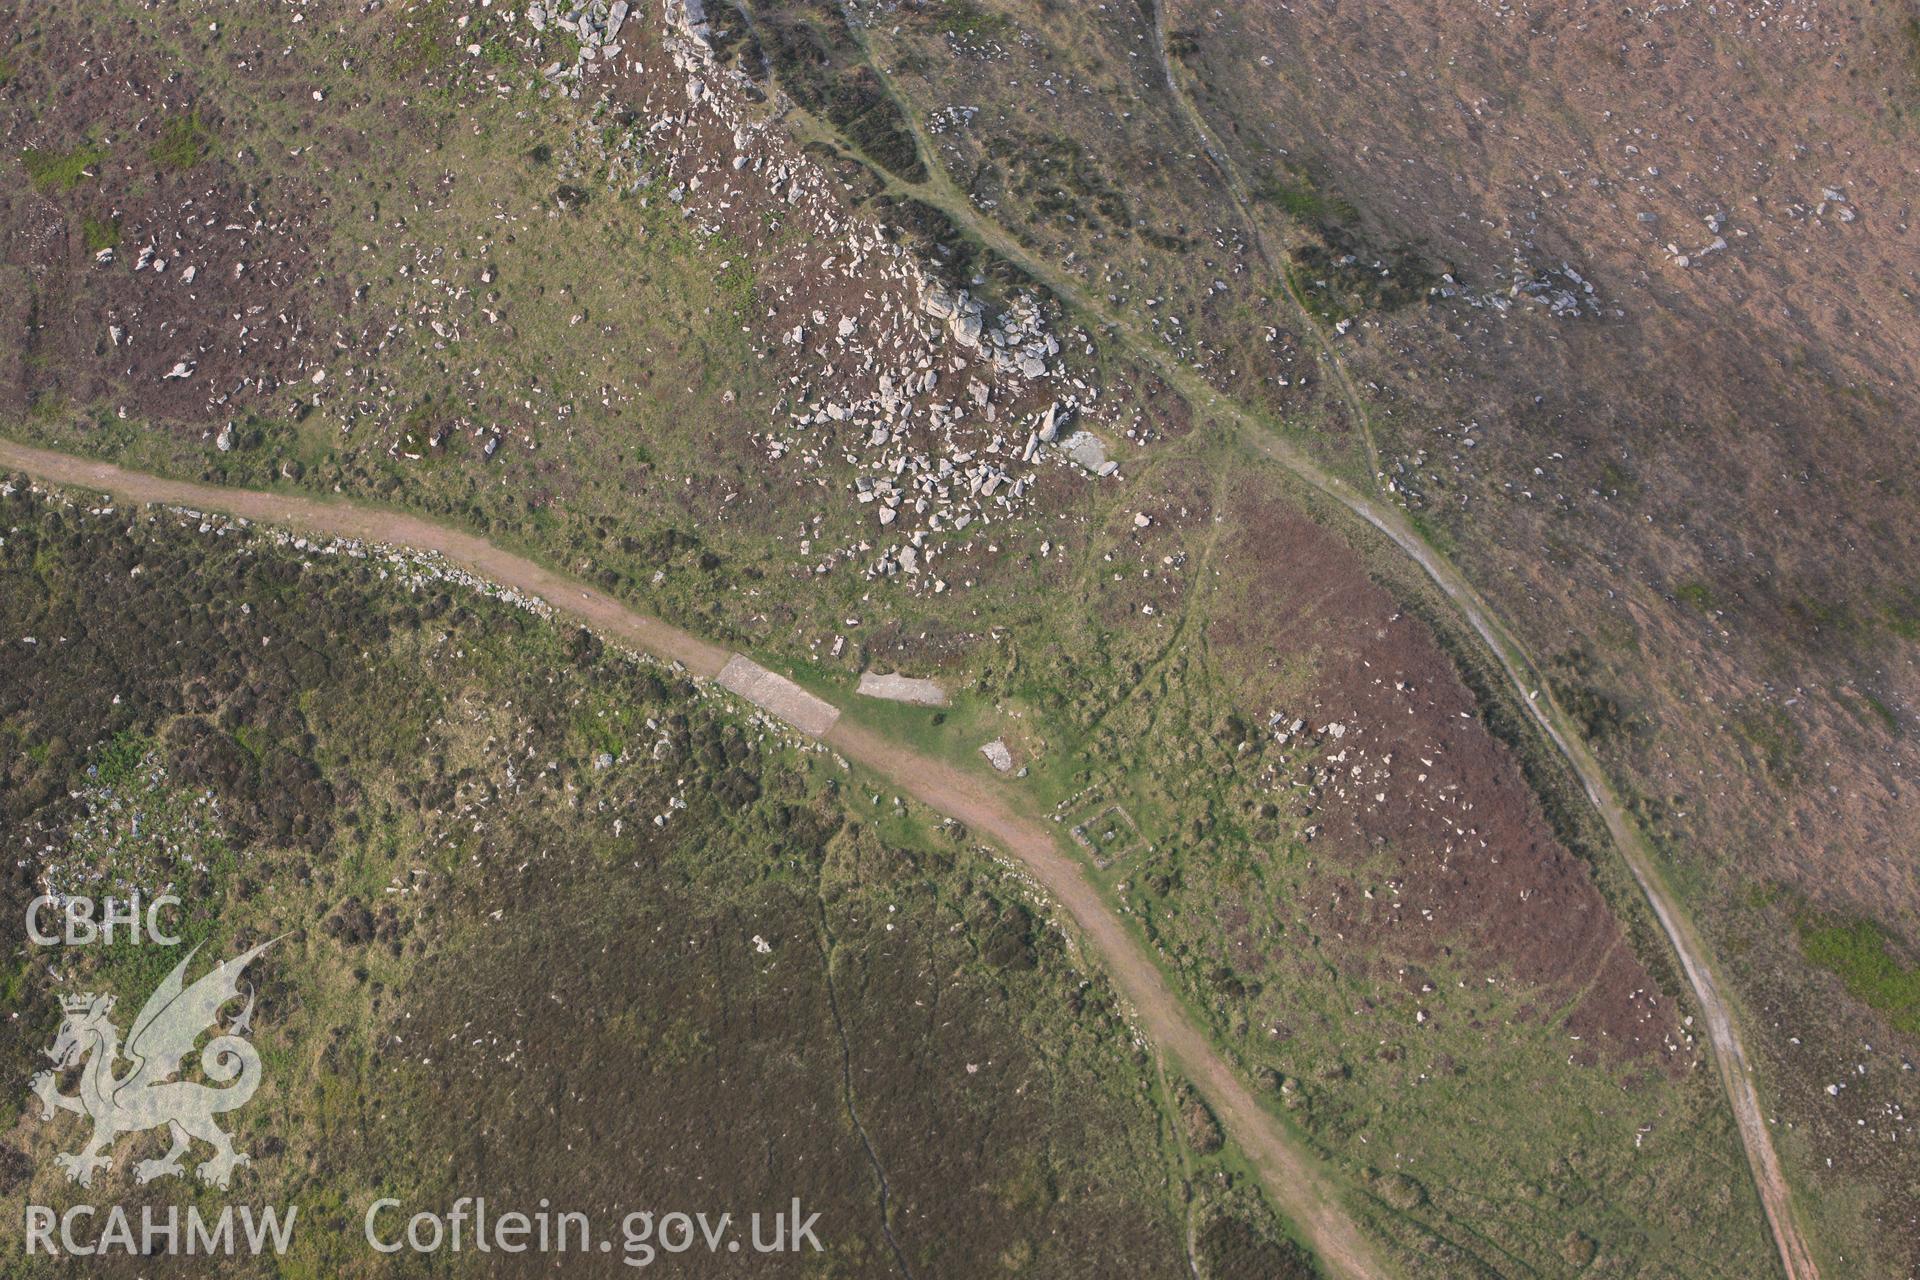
(779, 695)
(898, 688)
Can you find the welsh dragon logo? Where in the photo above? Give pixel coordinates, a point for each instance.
(145, 1097)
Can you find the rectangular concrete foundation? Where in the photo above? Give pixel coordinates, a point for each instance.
(779, 695)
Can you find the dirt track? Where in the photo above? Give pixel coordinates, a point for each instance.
(1292, 1176)
(1736, 1073)
(1735, 1070)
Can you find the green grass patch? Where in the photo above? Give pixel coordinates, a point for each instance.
(118, 763)
(965, 18)
(184, 142)
(1697, 594)
(1298, 197)
(1861, 954)
(100, 233)
(51, 170)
